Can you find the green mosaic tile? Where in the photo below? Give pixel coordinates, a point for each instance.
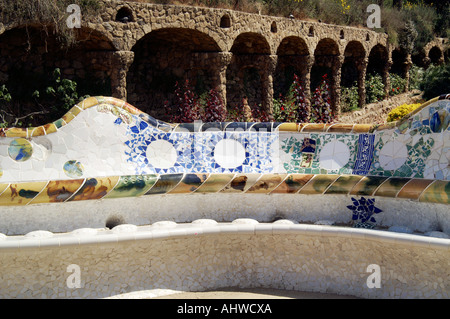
(293, 183)
(318, 184)
(241, 183)
(267, 183)
(344, 184)
(215, 183)
(165, 183)
(367, 185)
(132, 185)
(59, 123)
(189, 183)
(391, 187)
(437, 192)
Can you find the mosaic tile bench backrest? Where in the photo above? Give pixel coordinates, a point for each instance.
(105, 148)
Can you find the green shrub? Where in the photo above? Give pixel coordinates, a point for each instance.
(36, 103)
(4, 93)
(349, 98)
(415, 77)
(407, 36)
(374, 88)
(435, 81)
(423, 16)
(398, 84)
(284, 110)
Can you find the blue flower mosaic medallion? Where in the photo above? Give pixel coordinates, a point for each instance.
(220, 152)
(154, 151)
(233, 152)
(363, 212)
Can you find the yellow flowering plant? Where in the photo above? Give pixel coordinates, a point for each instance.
(401, 111)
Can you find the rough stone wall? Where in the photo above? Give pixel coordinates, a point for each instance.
(245, 79)
(120, 51)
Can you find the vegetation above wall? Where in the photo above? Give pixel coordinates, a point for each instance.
(51, 15)
(435, 81)
(37, 99)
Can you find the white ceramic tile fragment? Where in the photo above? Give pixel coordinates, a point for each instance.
(393, 155)
(334, 155)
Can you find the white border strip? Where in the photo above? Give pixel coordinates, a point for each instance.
(124, 233)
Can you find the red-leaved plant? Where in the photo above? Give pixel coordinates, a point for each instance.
(188, 107)
(321, 110)
(236, 114)
(259, 114)
(215, 110)
(299, 99)
(185, 108)
(293, 107)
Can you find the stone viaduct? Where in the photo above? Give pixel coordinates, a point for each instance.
(137, 52)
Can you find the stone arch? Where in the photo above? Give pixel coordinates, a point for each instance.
(30, 53)
(354, 55)
(378, 59)
(419, 58)
(250, 43)
(220, 36)
(435, 55)
(379, 63)
(327, 61)
(246, 72)
(353, 70)
(434, 52)
(293, 58)
(166, 56)
(399, 62)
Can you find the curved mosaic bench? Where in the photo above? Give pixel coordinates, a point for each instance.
(132, 261)
(104, 149)
(103, 159)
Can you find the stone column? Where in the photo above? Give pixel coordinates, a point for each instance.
(426, 62)
(336, 83)
(224, 59)
(408, 65)
(386, 79)
(120, 63)
(362, 69)
(267, 81)
(307, 82)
